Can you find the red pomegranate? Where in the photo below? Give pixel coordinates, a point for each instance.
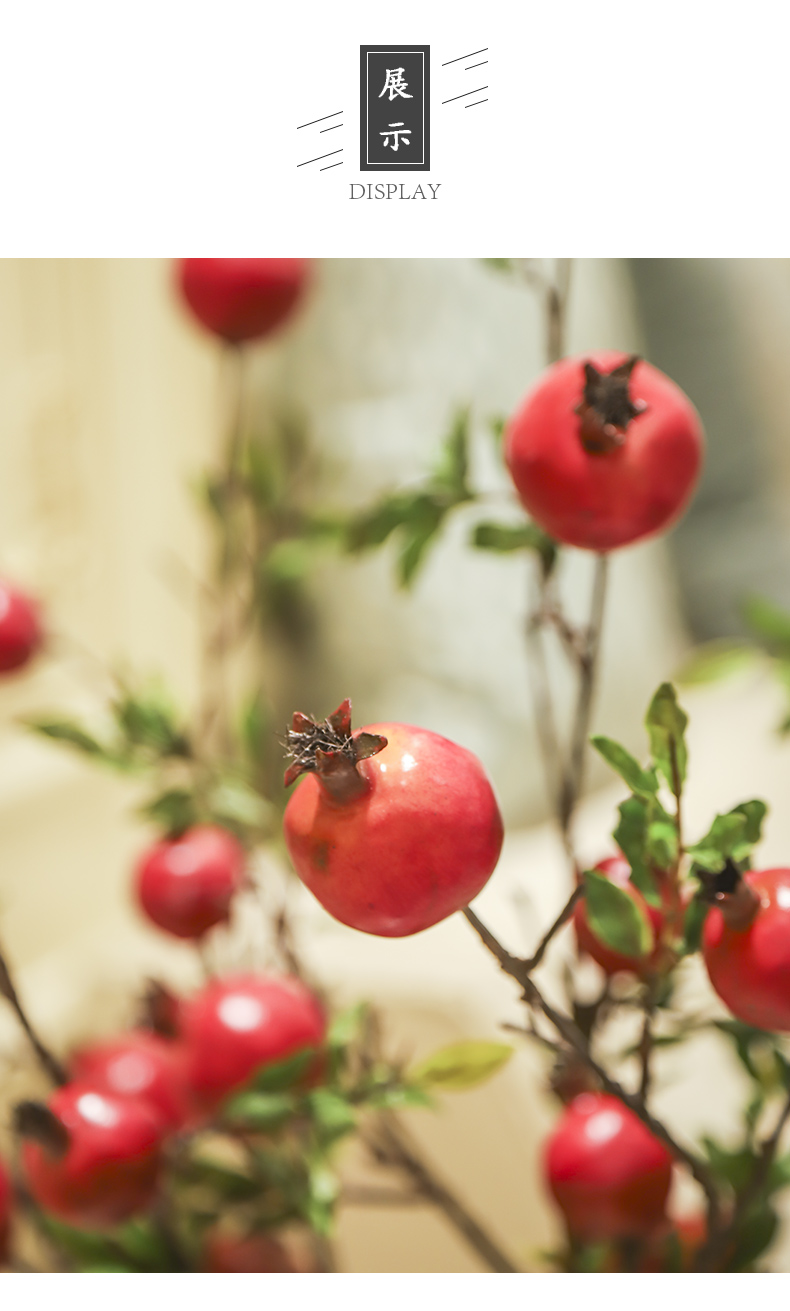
(20, 628)
(186, 884)
(746, 946)
(394, 827)
(140, 1065)
(617, 869)
(90, 1157)
(608, 1174)
(235, 1026)
(242, 299)
(604, 450)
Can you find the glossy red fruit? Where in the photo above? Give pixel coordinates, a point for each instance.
(242, 299)
(20, 628)
(617, 869)
(415, 839)
(110, 1167)
(237, 1025)
(6, 1207)
(608, 1174)
(749, 967)
(604, 450)
(255, 1254)
(186, 884)
(142, 1066)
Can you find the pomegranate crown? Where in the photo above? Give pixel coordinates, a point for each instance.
(329, 750)
(606, 408)
(728, 890)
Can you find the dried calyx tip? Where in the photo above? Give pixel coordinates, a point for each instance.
(727, 889)
(607, 408)
(36, 1121)
(329, 750)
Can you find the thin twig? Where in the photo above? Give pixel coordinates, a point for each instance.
(48, 1062)
(572, 783)
(392, 1146)
(576, 1040)
(646, 1047)
(562, 918)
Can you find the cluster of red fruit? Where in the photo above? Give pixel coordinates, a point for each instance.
(93, 1155)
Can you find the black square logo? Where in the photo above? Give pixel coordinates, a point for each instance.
(395, 109)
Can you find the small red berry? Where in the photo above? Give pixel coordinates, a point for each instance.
(255, 1254)
(186, 884)
(234, 1026)
(142, 1066)
(604, 450)
(242, 299)
(397, 828)
(748, 959)
(20, 628)
(607, 1172)
(108, 1166)
(617, 869)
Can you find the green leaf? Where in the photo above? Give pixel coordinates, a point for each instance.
(417, 540)
(451, 473)
(144, 1245)
(323, 1192)
(501, 265)
(238, 803)
(231, 1185)
(461, 1065)
(63, 730)
(265, 1111)
(615, 918)
(86, 1250)
(641, 781)
(631, 836)
(755, 1234)
(333, 1116)
(497, 424)
(662, 843)
(175, 810)
(730, 836)
(281, 1075)
(735, 1166)
(713, 661)
(693, 922)
(346, 1025)
(666, 725)
(399, 1097)
(502, 538)
(289, 560)
(148, 720)
(770, 623)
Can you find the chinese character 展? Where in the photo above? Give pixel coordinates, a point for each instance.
(395, 84)
(396, 134)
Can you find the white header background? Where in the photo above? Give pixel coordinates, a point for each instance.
(162, 127)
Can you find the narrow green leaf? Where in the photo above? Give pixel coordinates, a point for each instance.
(346, 1025)
(450, 475)
(260, 1110)
(770, 622)
(62, 730)
(284, 1074)
(333, 1115)
(175, 810)
(631, 836)
(461, 1065)
(693, 921)
(714, 661)
(666, 725)
(503, 538)
(615, 918)
(238, 803)
(641, 781)
(399, 1097)
(730, 836)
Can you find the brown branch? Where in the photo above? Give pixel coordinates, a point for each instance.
(575, 1039)
(391, 1146)
(562, 919)
(574, 777)
(46, 1059)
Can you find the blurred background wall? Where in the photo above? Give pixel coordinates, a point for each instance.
(112, 404)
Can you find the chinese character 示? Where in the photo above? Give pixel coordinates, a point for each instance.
(395, 84)
(396, 134)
